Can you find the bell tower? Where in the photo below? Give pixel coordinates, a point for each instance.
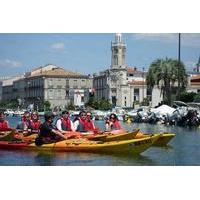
(118, 49)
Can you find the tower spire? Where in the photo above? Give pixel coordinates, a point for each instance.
(118, 37)
(118, 49)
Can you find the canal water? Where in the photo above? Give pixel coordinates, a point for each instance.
(183, 150)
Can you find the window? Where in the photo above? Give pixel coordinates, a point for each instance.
(82, 99)
(75, 84)
(136, 94)
(67, 93)
(50, 94)
(50, 83)
(59, 94)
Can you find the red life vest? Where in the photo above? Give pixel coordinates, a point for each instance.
(35, 125)
(66, 124)
(4, 126)
(116, 125)
(90, 125)
(87, 125)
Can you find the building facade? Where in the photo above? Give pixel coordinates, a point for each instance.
(120, 84)
(6, 87)
(50, 83)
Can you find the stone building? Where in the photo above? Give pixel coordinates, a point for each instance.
(6, 86)
(120, 84)
(50, 83)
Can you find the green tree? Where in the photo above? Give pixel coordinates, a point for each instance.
(197, 98)
(187, 96)
(71, 106)
(164, 74)
(101, 104)
(93, 103)
(104, 104)
(47, 106)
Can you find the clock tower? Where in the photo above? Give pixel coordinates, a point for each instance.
(118, 48)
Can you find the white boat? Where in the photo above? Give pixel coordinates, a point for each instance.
(9, 112)
(18, 113)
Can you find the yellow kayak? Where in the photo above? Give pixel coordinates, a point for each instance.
(121, 136)
(133, 146)
(163, 140)
(7, 135)
(116, 135)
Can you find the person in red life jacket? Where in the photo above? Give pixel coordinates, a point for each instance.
(48, 132)
(90, 123)
(35, 123)
(25, 124)
(4, 125)
(81, 123)
(113, 123)
(64, 123)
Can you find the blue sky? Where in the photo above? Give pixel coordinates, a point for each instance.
(89, 53)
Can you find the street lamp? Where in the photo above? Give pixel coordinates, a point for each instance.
(179, 60)
(143, 82)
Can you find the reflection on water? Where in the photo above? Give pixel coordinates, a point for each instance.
(184, 149)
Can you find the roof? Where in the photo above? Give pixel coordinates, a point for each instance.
(133, 82)
(56, 72)
(131, 69)
(195, 77)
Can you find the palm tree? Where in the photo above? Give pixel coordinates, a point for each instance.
(164, 74)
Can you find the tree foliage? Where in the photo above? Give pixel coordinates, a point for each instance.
(9, 104)
(101, 104)
(187, 96)
(47, 106)
(71, 106)
(164, 74)
(197, 98)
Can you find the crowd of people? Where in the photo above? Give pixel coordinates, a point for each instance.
(63, 128)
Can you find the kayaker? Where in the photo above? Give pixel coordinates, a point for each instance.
(25, 124)
(48, 133)
(35, 123)
(90, 123)
(113, 123)
(81, 123)
(64, 123)
(4, 125)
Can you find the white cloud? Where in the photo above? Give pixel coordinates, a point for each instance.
(58, 46)
(187, 39)
(10, 63)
